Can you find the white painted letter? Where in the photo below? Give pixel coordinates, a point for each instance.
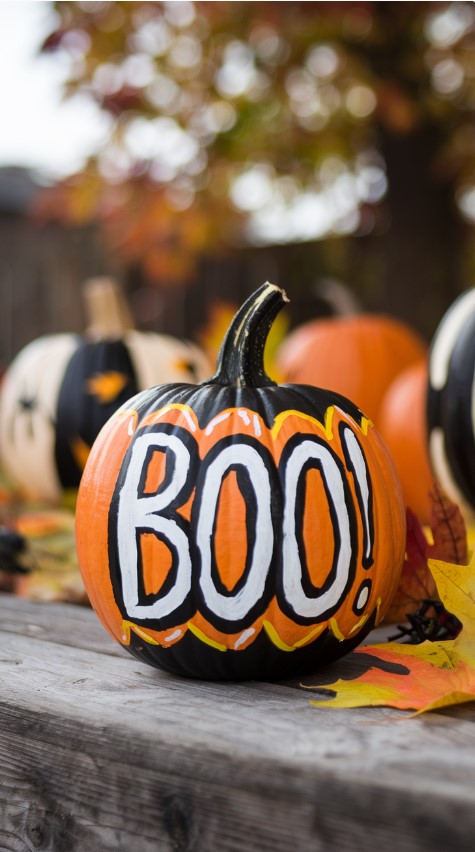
(137, 513)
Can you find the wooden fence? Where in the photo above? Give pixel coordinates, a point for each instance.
(43, 267)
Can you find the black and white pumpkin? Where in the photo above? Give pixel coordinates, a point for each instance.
(61, 389)
(451, 402)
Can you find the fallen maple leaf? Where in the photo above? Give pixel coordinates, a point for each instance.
(43, 564)
(426, 676)
(448, 529)
(445, 540)
(416, 583)
(54, 574)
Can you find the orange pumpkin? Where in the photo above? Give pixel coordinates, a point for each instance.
(357, 356)
(239, 528)
(402, 422)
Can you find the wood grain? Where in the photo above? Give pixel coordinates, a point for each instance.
(101, 752)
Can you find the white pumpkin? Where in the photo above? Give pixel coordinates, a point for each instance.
(60, 390)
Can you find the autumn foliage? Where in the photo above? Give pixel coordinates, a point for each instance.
(445, 540)
(421, 677)
(234, 123)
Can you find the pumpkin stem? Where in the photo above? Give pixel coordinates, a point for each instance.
(108, 313)
(241, 357)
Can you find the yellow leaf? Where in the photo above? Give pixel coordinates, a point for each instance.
(426, 676)
(456, 587)
(358, 694)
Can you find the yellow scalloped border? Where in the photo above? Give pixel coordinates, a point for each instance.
(326, 427)
(267, 626)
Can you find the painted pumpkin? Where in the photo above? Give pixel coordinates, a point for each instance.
(60, 390)
(239, 528)
(402, 423)
(451, 402)
(358, 356)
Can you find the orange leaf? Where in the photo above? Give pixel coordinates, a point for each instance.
(44, 523)
(448, 529)
(416, 583)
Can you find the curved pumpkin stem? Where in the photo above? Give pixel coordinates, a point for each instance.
(108, 313)
(241, 357)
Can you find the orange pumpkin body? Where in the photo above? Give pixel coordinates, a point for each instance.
(402, 423)
(240, 529)
(357, 356)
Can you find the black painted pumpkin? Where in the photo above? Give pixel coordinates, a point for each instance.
(60, 390)
(239, 528)
(451, 402)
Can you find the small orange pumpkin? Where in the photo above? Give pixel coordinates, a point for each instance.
(402, 422)
(357, 356)
(239, 528)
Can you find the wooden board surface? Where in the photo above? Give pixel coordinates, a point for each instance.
(101, 752)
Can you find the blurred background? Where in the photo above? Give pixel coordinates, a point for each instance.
(193, 150)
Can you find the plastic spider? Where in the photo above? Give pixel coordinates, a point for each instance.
(13, 552)
(431, 621)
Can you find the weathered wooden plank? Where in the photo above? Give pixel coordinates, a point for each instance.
(100, 752)
(78, 627)
(74, 800)
(66, 624)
